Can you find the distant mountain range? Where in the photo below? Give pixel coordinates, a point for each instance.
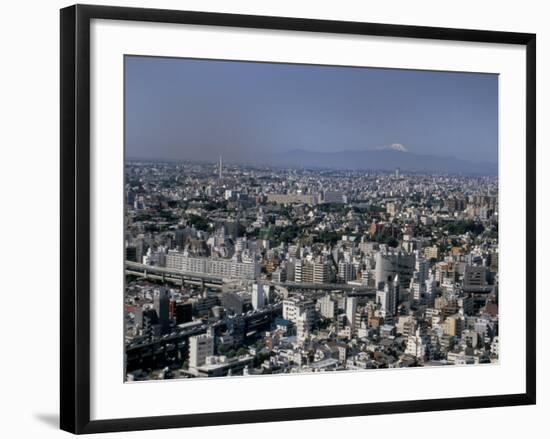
(383, 159)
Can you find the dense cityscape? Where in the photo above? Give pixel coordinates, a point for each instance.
(235, 269)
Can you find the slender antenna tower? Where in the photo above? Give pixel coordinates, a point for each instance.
(220, 170)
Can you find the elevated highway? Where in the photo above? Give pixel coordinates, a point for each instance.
(212, 281)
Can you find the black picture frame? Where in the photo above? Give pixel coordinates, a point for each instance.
(75, 218)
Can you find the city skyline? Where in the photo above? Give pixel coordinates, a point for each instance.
(263, 270)
(284, 219)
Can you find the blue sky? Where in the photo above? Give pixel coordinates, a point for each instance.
(188, 109)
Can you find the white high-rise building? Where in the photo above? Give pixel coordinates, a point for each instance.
(311, 272)
(328, 307)
(298, 269)
(421, 269)
(367, 277)
(321, 272)
(351, 312)
(293, 307)
(418, 346)
(418, 290)
(259, 293)
(239, 267)
(431, 288)
(388, 297)
(302, 313)
(200, 347)
(303, 325)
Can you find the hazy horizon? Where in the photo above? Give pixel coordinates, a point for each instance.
(189, 109)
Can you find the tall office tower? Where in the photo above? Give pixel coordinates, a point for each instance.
(418, 346)
(321, 272)
(131, 253)
(295, 306)
(130, 198)
(200, 347)
(328, 307)
(141, 248)
(421, 268)
(184, 313)
(180, 237)
(396, 287)
(298, 269)
(334, 197)
(220, 169)
(418, 290)
(383, 298)
(161, 304)
(346, 271)
(258, 295)
(236, 325)
(304, 321)
(305, 271)
(279, 275)
(391, 263)
(146, 319)
(232, 303)
(351, 312)
(388, 296)
(475, 278)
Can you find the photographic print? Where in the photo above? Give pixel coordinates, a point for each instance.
(294, 218)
